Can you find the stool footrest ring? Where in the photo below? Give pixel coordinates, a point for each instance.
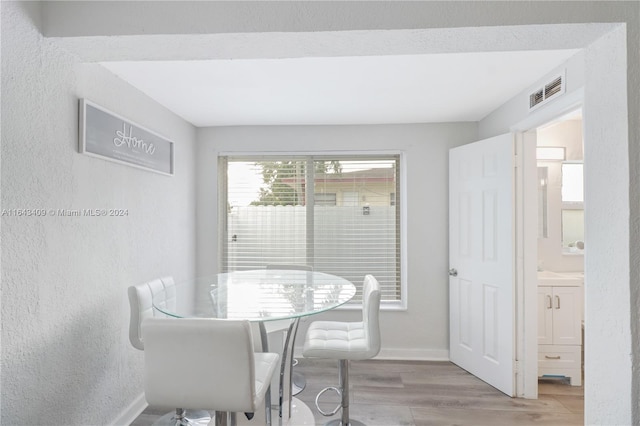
(335, 410)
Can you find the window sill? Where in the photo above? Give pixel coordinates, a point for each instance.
(384, 306)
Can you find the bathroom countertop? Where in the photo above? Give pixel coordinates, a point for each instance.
(560, 278)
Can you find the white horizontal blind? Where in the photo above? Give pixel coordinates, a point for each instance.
(339, 214)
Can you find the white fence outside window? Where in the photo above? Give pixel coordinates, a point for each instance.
(350, 241)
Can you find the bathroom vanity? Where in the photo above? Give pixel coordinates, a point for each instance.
(560, 320)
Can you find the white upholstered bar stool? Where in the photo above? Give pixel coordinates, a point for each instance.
(141, 304)
(346, 341)
(202, 362)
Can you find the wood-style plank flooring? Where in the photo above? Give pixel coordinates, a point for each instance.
(416, 393)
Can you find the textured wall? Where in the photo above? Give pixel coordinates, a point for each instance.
(66, 358)
(611, 396)
(607, 164)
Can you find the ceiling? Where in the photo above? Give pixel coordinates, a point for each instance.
(418, 88)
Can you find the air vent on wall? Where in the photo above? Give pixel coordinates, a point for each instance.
(536, 98)
(554, 88)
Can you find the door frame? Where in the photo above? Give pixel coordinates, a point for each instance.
(526, 326)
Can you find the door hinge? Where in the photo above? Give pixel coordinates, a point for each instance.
(515, 161)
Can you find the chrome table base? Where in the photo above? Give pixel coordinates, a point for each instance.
(338, 422)
(298, 382)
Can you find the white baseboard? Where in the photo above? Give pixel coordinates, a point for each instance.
(414, 354)
(129, 414)
(406, 354)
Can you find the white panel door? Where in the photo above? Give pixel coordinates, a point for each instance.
(481, 255)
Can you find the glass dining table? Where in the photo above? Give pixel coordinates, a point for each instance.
(264, 297)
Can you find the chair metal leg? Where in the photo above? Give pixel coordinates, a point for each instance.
(343, 373)
(182, 417)
(267, 407)
(221, 418)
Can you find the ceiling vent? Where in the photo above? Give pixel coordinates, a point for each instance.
(552, 89)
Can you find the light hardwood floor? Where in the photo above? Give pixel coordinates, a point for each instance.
(413, 393)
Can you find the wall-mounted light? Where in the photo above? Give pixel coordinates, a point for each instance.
(550, 153)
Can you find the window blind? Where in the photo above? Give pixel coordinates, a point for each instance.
(339, 214)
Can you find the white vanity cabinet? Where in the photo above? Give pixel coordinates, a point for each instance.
(560, 315)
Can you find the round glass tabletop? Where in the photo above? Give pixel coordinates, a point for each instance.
(255, 295)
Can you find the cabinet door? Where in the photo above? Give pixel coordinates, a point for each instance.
(545, 316)
(567, 315)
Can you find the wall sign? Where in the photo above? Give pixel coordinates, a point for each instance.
(106, 135)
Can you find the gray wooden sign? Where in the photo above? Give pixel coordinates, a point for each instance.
(106, 135)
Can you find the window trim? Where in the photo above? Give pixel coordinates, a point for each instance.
(398, 305)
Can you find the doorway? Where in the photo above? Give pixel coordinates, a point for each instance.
(560, 249)
(550, 289)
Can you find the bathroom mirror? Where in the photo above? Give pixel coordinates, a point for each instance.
(572, 208)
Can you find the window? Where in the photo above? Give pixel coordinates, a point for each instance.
(572, 185)
(350, 198)
(325, 199)
(572, 207)
(339, 214)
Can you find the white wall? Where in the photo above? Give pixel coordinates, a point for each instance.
(611, 395)
(420, 332)
(66, 358)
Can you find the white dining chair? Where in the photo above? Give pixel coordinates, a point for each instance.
(346, 341)
(141, 304)
(202, 362)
